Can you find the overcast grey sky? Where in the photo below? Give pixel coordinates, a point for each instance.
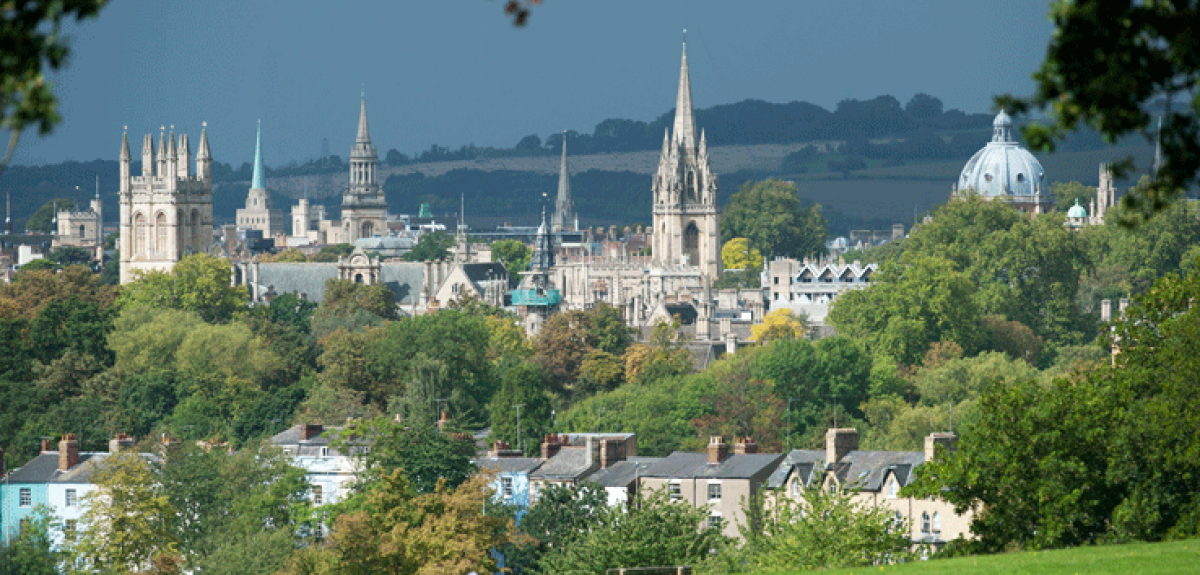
(453, 72)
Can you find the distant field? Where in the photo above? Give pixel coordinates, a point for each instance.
(1139, 558)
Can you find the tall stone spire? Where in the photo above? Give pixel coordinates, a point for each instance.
(257, 182)
(147, 155)
(125, 145)
(364, 135)
(684, 131)
(203, 156)
(564, 206)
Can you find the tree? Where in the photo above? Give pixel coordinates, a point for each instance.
(924, 107)
(1106, 64)
(31, 551)
(743, 406)
(331, 253)
(398, 530)
(432, 246)
(427, 457)
(768, 214)
(42, 220)
(343, 297)
(127, 520)
(681, 535)
(561, 346)
(562, 514)
(522, 384)
(198, 283)
(824, 530)
(71, 256)
(515, 256)
(779, 324)
(738, 255)
(1067, 193)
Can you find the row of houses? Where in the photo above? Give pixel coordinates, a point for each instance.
(719, 480)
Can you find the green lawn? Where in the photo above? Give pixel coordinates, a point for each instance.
(1139, 558)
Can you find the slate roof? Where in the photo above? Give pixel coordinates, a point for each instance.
(44, 468)
(624, 473)
(479, 272)
(569, 464)
(865, 470)
(802, 460)
(695, 465)
(405, 279)
(509, 464)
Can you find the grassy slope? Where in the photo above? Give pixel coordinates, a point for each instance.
(1169, 557)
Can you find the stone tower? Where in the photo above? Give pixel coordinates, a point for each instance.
(258, 213)
(364, 209)
(685, 192)
(564, 207)
(166, 213)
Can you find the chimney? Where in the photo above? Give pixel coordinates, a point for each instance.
(47, 447)
(443, 420)
(839, 442)
(503, 449)
(121, 442)
(309, 431)
(1106, 310)
(947, 442)
(612, 450)
(745, 445)
(718, 450)
(550, 446)
(68, 452)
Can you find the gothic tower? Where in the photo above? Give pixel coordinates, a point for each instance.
(685, 192)
(166, 213)
(564, 207)
(364, 209)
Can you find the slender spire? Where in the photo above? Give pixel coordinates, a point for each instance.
(125, 156)
(685, 122)
(257, 182)
(203, 153)
(564, 206)
(364, 135)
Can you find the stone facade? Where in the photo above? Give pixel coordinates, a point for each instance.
(364, 208)
(810, 288)
(82, 228)
(166, 213)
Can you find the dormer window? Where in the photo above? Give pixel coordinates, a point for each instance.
(893, 489)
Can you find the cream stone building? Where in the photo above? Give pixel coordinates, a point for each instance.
(259, 214)
(876, 478)
(82, 228)
(167, 212)
(364, 208)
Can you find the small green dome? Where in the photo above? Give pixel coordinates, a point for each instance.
(1076, 211)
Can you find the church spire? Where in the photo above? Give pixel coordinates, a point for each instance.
(684, 131)
(257, 182)
(125, 146)
(364, 135)
(564, 206)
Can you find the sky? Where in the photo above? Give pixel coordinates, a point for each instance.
(453, 72)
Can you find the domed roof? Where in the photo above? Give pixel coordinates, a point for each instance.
(1076, 211)
(1003, 168)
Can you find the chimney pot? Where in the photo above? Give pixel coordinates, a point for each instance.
(121, 442)
(309, 431)
(47, 446)
(551, 445)
(718, 450)
(745, 445)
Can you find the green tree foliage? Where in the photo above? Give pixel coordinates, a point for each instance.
(515, 256)
(432, 246)
(31, 551)
(561, 515)
(824, 530)
(522, 384)
(1067, 193)
(1106, 63)
(127, 519)
(42, 221)
(331, 253)
(344, 297)
(198, 283)
(400, 531)
(426, 456)
(770, 216)
(833, 373)
(680, 535)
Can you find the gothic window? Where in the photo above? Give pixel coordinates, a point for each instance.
(81, 231)
(937, 522)
(139, 234)
(358, 278)
(160, 233)
(925, 522)
(368, 230)
(691, 244)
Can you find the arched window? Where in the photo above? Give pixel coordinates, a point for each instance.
(937, 522)
(82, 231)
(139, 235)
(691, 244)
(160, 233)
(893, 489)
(358, 278)
(925, 522)
(368, 229)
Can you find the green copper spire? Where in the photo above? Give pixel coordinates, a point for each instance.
(257, 182)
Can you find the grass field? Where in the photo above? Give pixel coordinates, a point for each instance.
(1136, 558)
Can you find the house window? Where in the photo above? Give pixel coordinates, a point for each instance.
(674, 491)
(898, 520)
(715, 521)
(317, 495)
(714, 491)
(324, 452)
(506, 487)
(893, 489)
(71, 498)
(26, 497)
(925, 522)
(937, 522)
(69, 527)
(796, 488)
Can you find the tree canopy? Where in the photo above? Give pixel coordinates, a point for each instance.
(769, 215)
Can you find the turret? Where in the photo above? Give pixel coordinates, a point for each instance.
(147, 156)
(172, 160)
(203, 157)
(160, 167)
(185, 158)
(126, 160)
